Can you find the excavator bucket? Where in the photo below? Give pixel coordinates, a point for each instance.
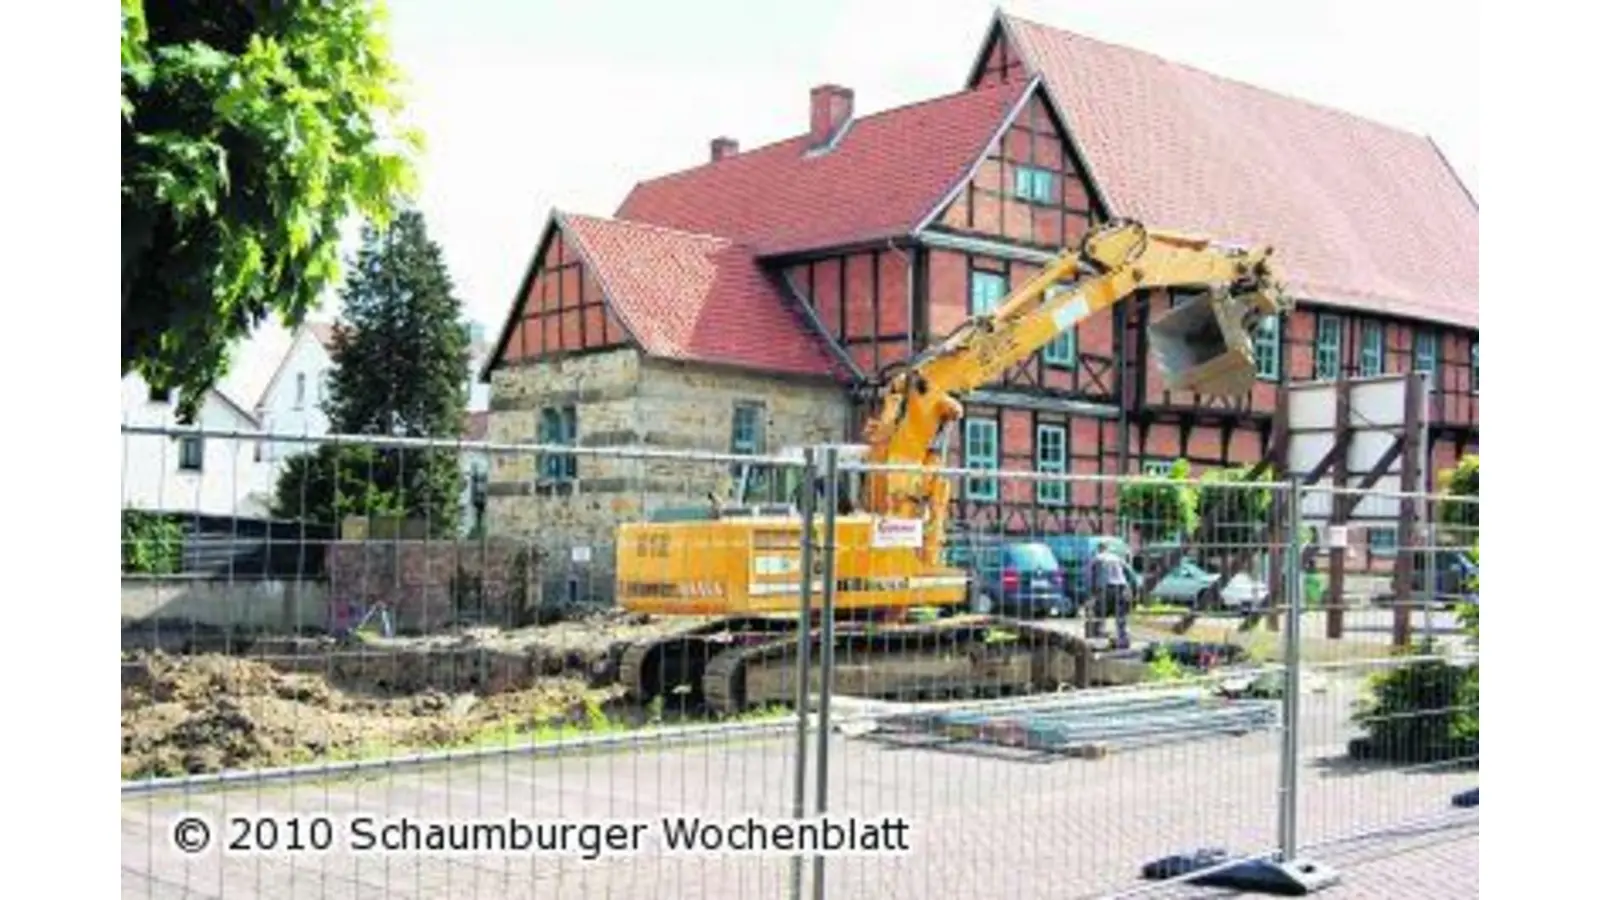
(1204, 346)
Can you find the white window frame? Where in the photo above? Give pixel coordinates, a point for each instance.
(199, 452)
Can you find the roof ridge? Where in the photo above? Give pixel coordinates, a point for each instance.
(652, 226)
(1280, 94)
(983, 90)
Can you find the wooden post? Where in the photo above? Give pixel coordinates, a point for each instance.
(1334, 598)
(1415, 395)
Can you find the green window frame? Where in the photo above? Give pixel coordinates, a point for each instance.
(986, 292)
(1050, 455)
(1160, 468)
(980, 448)
(1474, 375)
(1330, 341)
(558, 426)
(1383, 541)
(1062, 352)
(1371, 349)
(1426, 356)
(747, 438)
(1033, 184)
(1267, 347)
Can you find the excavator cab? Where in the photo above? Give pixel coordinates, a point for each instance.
(1206, 344)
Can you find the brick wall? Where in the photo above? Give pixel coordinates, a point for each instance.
(430, 584)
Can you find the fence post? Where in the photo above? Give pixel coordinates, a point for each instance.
(808, 537)
(1430, 571)
(829, 552)
(1289, 761)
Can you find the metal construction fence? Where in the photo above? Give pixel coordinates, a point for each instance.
(628, 672)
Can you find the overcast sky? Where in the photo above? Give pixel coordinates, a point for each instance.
(533, 104)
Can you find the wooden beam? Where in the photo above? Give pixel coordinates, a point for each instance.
(1415, 395)
(1345, 504)
(1336, 558)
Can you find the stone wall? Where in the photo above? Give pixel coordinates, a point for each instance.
(286, 607)
(625, 400)
(431, 584)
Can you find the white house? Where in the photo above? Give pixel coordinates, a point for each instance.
(195, 475)
(291, 403)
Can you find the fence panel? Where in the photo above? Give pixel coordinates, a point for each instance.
(1031, 754)
(459, 656)
(610, 640)
(1388, 734)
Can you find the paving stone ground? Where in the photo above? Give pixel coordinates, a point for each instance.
(982, 824)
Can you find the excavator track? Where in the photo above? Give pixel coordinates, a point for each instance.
(674, 665)
(952, 657)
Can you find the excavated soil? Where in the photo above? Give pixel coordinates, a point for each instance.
(189, 714)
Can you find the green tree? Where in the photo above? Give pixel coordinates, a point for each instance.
(1236, 510)
(1164, 509)
(252, 130)
(400, 369)
(1459, 511)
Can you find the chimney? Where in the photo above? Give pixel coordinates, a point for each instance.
(722, 148)
(831, 106)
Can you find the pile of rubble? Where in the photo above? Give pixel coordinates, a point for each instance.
(185, 714)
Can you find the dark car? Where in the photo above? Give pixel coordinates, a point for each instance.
(1020, 578)
(1455, 575)
(1076, 552)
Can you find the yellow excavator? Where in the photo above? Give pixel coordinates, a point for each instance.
(740, 562)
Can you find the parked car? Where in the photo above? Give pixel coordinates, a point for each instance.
(1021, 578)
(1074, 552)
(1455, 576)
(1188, 585)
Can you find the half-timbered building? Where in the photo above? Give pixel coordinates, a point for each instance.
(742, 304)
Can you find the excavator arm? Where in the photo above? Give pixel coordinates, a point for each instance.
(1204, 345)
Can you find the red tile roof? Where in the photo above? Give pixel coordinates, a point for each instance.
(1362, 215)
(887, 173)
(696, 297)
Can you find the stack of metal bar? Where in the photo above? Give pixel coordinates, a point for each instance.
(1076, 727)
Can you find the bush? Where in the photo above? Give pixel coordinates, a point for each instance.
(1420, 713)
(1460, 516)
(1426, 711)
(151, 544)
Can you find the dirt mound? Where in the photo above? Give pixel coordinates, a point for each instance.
(209, 713)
